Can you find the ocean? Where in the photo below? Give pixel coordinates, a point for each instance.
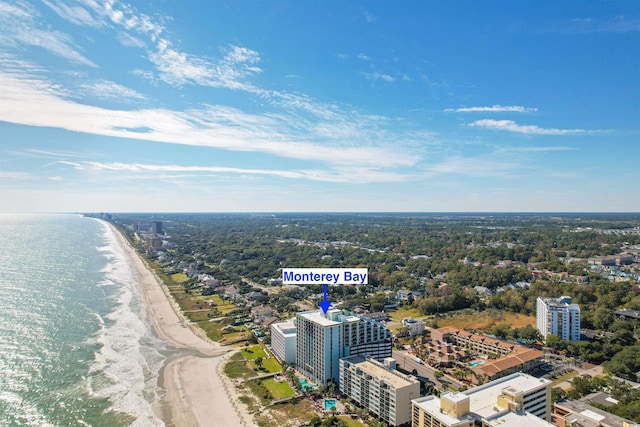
(75, 347)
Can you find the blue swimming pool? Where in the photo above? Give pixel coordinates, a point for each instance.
(304, 383)
(476, 363)
(328, 404)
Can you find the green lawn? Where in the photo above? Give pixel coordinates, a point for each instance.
(268, 365)
(350, 422)
(179, 277)
(564, 377)
(253, 352)
(278, 389)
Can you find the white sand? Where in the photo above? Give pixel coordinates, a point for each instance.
(197, 393)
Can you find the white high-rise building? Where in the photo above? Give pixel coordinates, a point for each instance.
(283, 341)
(558, 316)
(323, 339)
(384, 391)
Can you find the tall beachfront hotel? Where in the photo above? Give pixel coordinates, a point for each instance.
(558, 316)
(323, 339)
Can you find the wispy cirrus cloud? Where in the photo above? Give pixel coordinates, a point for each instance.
(110, 90)
(36, 102)
(493, 109)
(20, 27)
(76, 14)
(474, 166)
(616, 24)
(351, 176)
(387, 77)
(511, 126)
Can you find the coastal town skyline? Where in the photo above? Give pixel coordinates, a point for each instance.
(319, 107)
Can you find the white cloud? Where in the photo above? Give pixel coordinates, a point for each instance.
(35, 102)
(474, 166)
(493, 109)
(380, 76)
(356, 175)
(19, 28)
(75, 14)
(15, 176)
(363, 57)
(110, 90)
(511, 126)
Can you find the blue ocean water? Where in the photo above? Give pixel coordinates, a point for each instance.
(74, 347)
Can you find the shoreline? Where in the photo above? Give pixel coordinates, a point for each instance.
(194, 391)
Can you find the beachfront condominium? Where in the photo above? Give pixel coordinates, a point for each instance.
(558, 316)
(323, 339)
(517, 400)
(378, 387)
(283, 341)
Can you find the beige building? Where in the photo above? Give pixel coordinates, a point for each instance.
(511, 357)
(381, 389)
(518, 400)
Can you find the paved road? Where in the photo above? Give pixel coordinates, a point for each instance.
(407, 362)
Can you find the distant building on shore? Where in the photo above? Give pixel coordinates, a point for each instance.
(156, 227)
(558, 316)
(152, 243)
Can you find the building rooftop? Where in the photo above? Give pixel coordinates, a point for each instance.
(484, 398)
(513, 419)
(376, 369)
(317, 316)
(590, 416)
(286, 328)
(431, 405)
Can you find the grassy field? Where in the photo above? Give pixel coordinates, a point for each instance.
(404, 312)
(486, 319)
(236, 367)
(351, 422)
(253, 352)
(179, 277)
(268, 365)
(278, 389)
(564, 377)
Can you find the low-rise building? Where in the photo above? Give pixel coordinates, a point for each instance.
(385, 392)
(511, 357)
(416, 327)
(283, 341)
(573, 413)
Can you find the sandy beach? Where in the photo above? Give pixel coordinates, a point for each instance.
(196, 391)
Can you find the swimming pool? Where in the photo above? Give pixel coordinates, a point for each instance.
(304, 383)
(328, 404)
(476, 363)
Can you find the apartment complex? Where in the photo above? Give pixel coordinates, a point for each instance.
(323, 339)
(518, 399)
(283, 341)
(378, 387)
(511, 357)
(558, 316)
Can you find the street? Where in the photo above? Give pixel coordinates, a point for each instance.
(407, 362)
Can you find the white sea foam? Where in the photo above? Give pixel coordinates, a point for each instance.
(126, 367)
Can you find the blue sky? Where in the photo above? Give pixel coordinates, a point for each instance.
(319, 106)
